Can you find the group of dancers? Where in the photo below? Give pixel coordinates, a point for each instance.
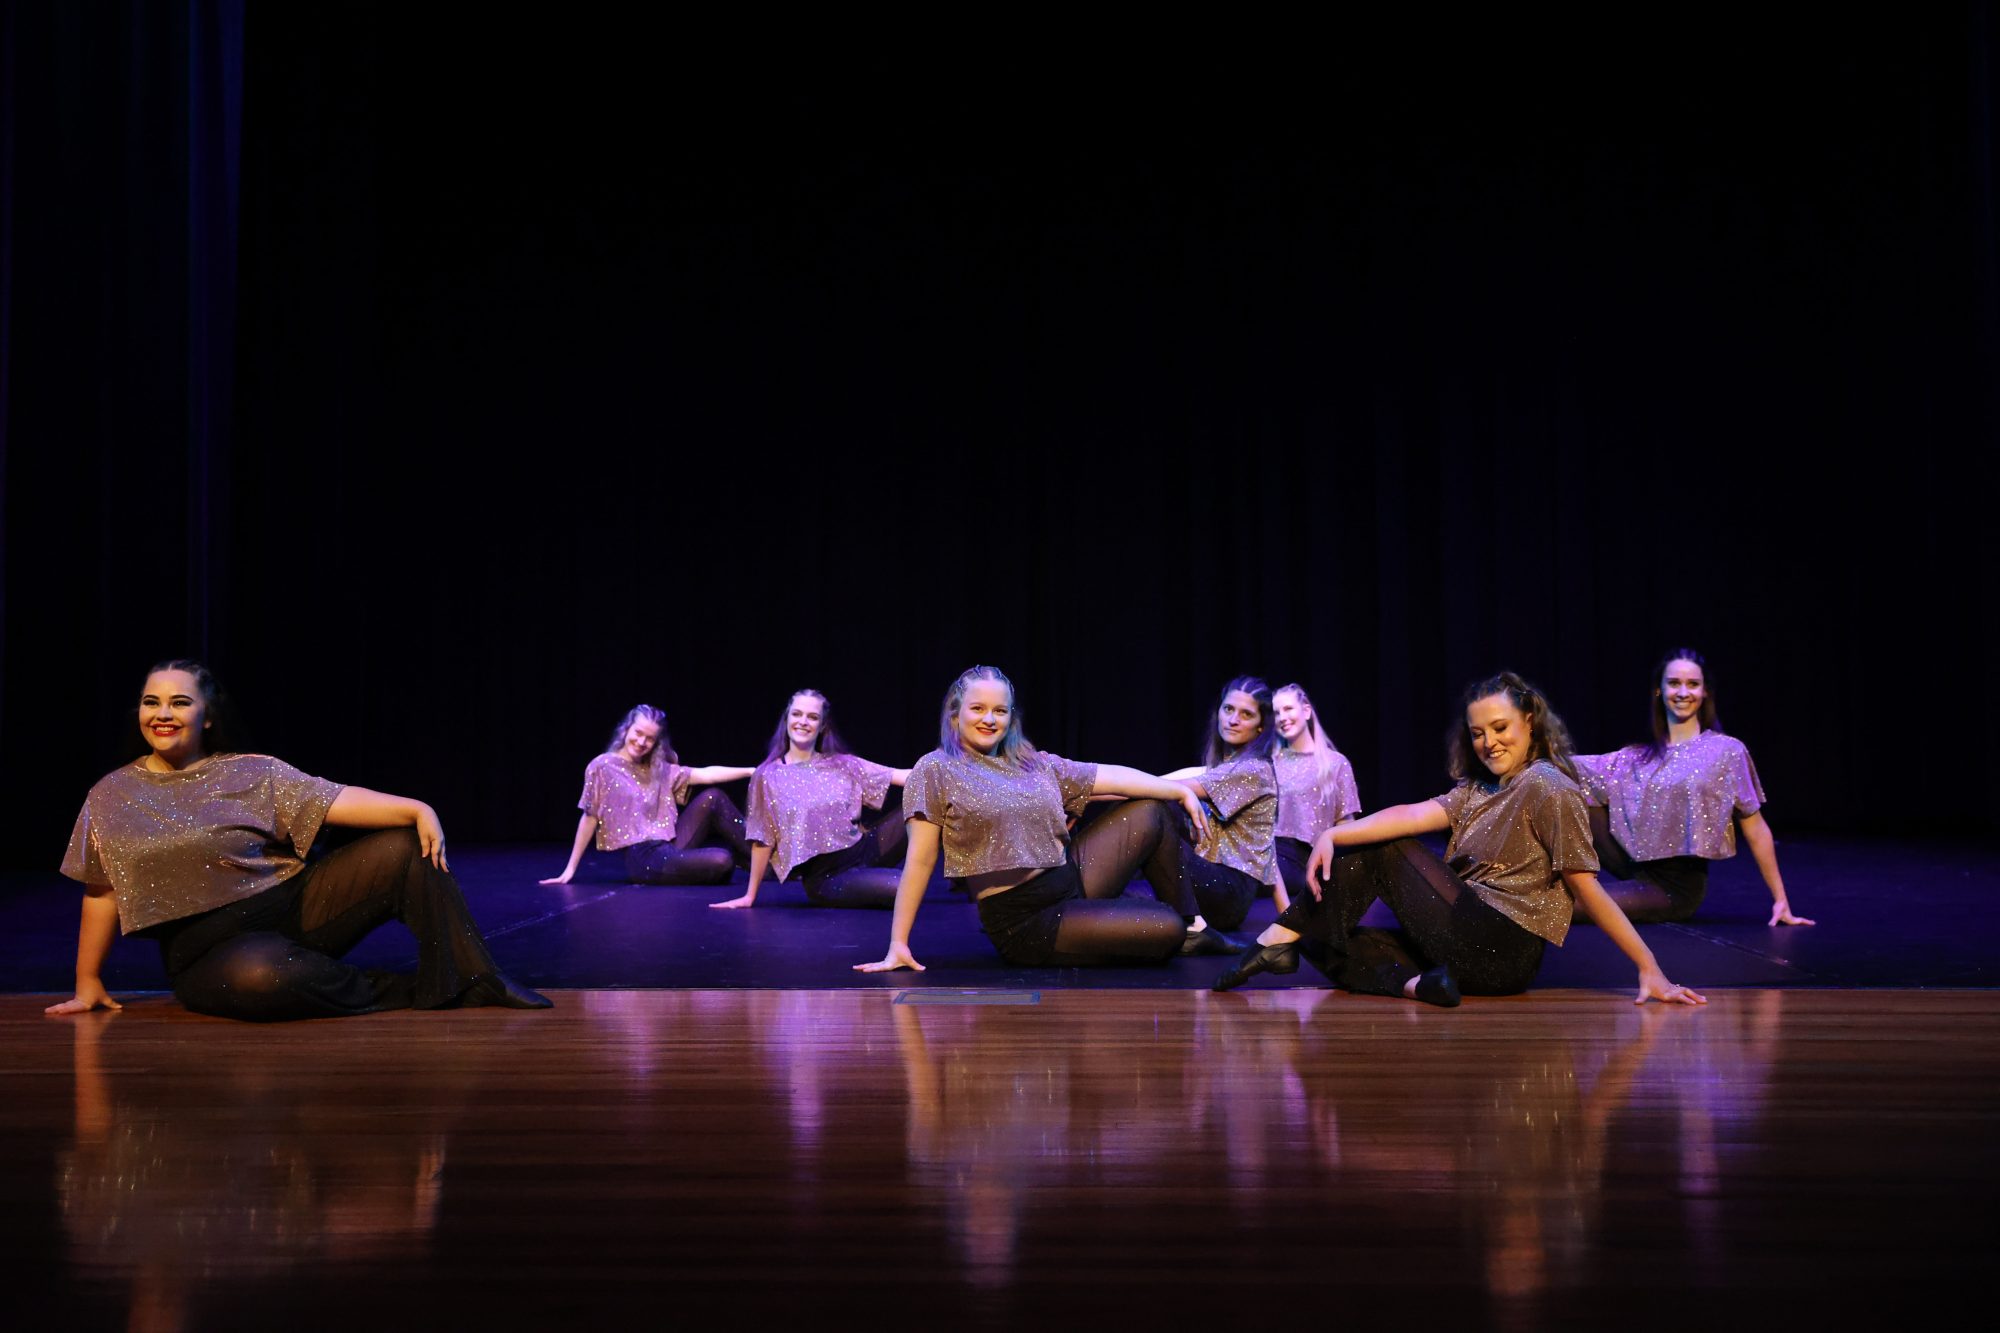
(205, 848)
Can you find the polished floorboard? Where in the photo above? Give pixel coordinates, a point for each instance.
(1008, 1158)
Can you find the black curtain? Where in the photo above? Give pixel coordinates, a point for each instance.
(494, 378)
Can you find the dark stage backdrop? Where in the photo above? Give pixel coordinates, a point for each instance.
(452, 384)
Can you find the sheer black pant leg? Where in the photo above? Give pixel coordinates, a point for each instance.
(1443, 923)
(1133, 837)
(1116, 930)
(708, 845)
(290, 967)
(712, 820)
(1292, 857)
(1222, 893)
(866, 874)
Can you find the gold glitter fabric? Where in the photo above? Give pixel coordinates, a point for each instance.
(804, 810)
(632, 802)
(1684, 803)
(997, 815)
(1309, 805)
(174, 844)
(1512, 842)
(1243, 814)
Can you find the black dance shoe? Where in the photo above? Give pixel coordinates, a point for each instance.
(1437, 987)
(499, 991)
(1278, 958)
(1210, 943)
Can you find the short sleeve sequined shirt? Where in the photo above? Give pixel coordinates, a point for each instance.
(1512, 842)
(808, 809)
(632, 803)
(993, 814)
(1307, 806)
(1685, 803)
(1243, 817)
(173, 844)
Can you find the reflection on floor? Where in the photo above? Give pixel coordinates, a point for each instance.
(1060, 1158)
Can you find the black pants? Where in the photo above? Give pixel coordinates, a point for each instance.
(277, 955)
(864, 875)
(1050, 922)
(1120, 840)
(1670, 889)
(708, 845)
(1444, 924)
(1292, 857)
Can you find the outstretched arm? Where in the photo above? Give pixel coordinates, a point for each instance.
(1385, 825)
(1117, 780)
(586, 826)
(714, 773)
(358, 807)
(1653, 983)
(918, 861)
(93, 941)
(1764, 851)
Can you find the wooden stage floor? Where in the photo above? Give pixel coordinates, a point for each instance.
(1008, 1159)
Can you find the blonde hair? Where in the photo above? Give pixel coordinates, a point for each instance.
(1323, 750)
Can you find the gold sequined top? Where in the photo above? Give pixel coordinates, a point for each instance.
(1512, 843)
(177, 843)
(1243, 814)
(1684, 803)
(632, 802)
(995, 815)
(807, 809)
(1308, 807)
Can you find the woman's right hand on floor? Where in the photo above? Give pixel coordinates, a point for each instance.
(560, 879)
(899, 955)
(88, 996)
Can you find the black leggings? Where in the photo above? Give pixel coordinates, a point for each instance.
(1292, 857)
(708, 845)
(1670, 889)
(1150, 837)
(1050, 922)
(1444, 923)
(864, 875)
(277, 955)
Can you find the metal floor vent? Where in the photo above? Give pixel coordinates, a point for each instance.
(968, 997)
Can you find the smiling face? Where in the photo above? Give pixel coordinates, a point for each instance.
(640, 739)
(1501, 734)
(1293, 715)
(984, 715)
(173, 717)
(1239, 720)
(802, 720)
(1682, 690)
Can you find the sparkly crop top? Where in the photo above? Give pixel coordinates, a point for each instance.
(993, 814)
(1513, 842)
(177, 843)
(808, 809)
(1684, 803)
(1308, 807)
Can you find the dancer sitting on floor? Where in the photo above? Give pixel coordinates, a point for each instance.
(1477, 921)
(1239, 787)
(1663, 810)
(630, 800)
(204, 850)
(805, 814)
(999, 809)
(1315, 789)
